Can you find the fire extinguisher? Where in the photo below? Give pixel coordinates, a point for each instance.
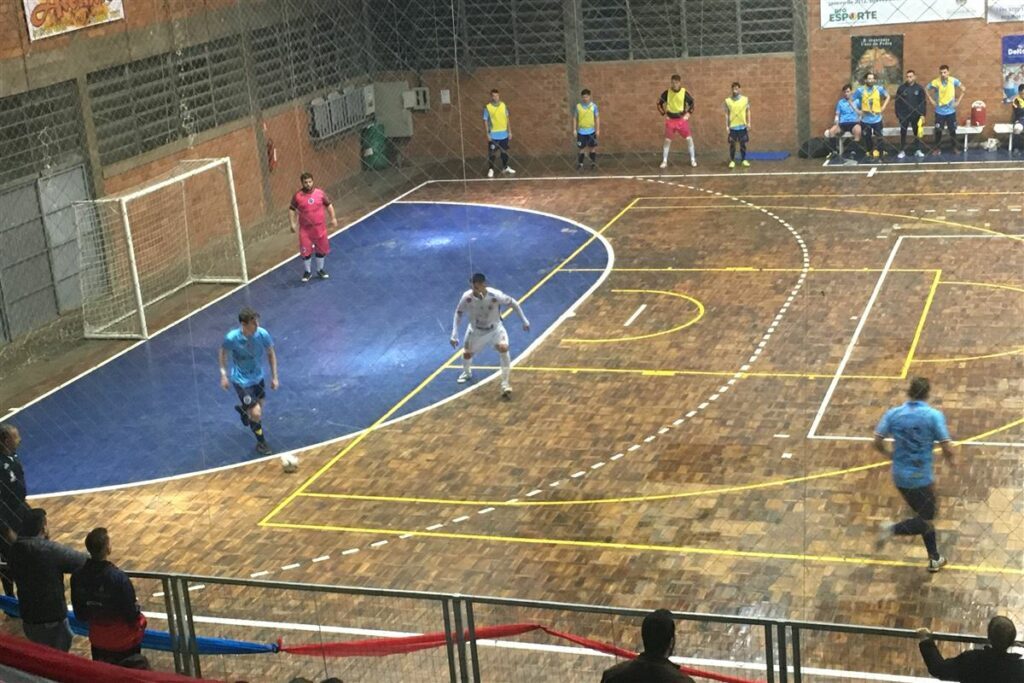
(271, 150)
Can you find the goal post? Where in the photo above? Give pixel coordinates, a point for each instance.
(138, 247)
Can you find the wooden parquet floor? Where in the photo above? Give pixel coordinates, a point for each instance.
(675, 469)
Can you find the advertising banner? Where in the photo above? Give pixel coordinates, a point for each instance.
(880, 55)
(1013, 65)
(47, 18)
(850, 13)
(1006, 10)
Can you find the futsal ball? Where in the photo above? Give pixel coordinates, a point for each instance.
(828, 132)
(289, 462)
(1018, 128)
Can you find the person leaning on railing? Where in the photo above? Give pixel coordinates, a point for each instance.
(994, 664)
(653, 665)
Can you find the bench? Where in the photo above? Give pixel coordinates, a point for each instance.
(1004, 129)
(966, 131)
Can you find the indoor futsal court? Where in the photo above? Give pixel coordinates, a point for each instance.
(689, 420)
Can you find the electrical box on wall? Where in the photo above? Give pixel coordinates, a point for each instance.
(417, 99)
(390, 110)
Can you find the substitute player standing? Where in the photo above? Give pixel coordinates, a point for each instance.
(307, 214)
(945, 102)
(483, 306)
(676, 105)
(915, 427)
(246, 345)
(737, 122)
(872, 99)
(910, 110)
(498, 127)
(586, 124)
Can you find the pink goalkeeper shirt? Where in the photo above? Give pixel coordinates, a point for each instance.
(311, 207)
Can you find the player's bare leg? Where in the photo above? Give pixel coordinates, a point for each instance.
(506, 370)
(467, 368)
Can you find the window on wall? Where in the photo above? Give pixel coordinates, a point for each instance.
(540, 32)
(662, 29)
(40, 129)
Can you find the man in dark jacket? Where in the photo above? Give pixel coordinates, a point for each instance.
(38, 566)
(103, 597)
(994, 664)
(12, 498)
(911, 105)
(658, 632)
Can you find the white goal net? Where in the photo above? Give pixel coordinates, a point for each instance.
(141, 246)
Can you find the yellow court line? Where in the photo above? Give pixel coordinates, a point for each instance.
(677, 550)
(847, 196)
(641, 499)
(920, 324)
(1018, 238)
(408, 397)
(964, 359)
(692, 321)
(672, 373)
(991, 285)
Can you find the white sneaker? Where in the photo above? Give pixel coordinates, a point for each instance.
(490, 173)
(664, 164)
(901, 155)
(464, 376)
(506, 391)
(919, 154)
(693, 162)
(936, 565)
(509, 170)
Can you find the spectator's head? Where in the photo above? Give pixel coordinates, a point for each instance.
(97, 542)
(250, 320)
(34, 523)
(10, 438)
(911, 76)
(659, 633)
(307, 181)
(1001, 633)
(919, 389)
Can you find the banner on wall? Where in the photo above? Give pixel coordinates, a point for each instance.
(47, 18)
(1013, 65)
(1005, 10)
(880, 55)
(847, 13)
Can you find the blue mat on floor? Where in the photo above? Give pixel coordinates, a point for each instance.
(767, 156)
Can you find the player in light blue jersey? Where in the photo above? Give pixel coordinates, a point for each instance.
(915, 428)
(245, 346)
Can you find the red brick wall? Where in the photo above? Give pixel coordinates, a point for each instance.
(971, 48)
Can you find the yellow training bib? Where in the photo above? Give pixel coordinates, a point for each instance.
(676, 101)
(737, 111)
(584, 116)
(498, 115)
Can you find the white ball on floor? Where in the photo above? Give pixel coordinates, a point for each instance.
(289, 462)
(828, 132)
(1018, 128)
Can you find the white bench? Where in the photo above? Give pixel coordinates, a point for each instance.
(966, 131)
(1004, 129)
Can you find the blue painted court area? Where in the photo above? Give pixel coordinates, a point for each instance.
(349, 348)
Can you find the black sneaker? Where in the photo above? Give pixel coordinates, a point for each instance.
(306, 276)
(242, 414)
(322, 274)
(263, 448)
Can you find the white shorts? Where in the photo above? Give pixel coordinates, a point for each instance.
(478, 340)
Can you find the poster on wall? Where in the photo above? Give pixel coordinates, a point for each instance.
(1013, 65)
(1006, 10)
(47, 18)
(880, 55)
(847, 13)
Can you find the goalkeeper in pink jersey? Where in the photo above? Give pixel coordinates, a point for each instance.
(308, 214)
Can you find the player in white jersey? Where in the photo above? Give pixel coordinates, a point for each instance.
(483, 307)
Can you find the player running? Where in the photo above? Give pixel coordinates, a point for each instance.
(483, 306)
(306, 214)
(246, 345)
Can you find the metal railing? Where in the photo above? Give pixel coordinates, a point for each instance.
(774, 651)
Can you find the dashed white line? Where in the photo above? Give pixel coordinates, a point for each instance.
(322, 558)
(787, 456)
(597, 466)
(633, 447)
(650, 438)
(577, 475)
(484, 511)
(533, 493)
(635, 315)
(352, 551)
(293, 565)
(663, 430)
(459, 520)
(434, 527)
(378, 544)
(617, 456)
(782, 436)
(256, 575)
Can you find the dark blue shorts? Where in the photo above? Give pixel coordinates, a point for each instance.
(586, 140)
(946, 121)
(847, 127)
(494, 145)
(739, 135)
(251, 395)
(870, 128)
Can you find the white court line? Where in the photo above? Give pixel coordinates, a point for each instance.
(635, 315)
(853, 340)
(696, 662)
(397, 200)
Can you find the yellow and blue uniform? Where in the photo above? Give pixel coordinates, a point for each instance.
(496, 116)
(586, 124)
(869, 99)
(736, 111)
(945, 108)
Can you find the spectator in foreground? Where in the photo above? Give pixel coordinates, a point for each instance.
(12, 498)
(652, 665)
(38, 566)
(103, 597)
(994, 664)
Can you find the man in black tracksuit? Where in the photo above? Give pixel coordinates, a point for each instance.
(994, 664)
(12, 497)
(911, 103)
